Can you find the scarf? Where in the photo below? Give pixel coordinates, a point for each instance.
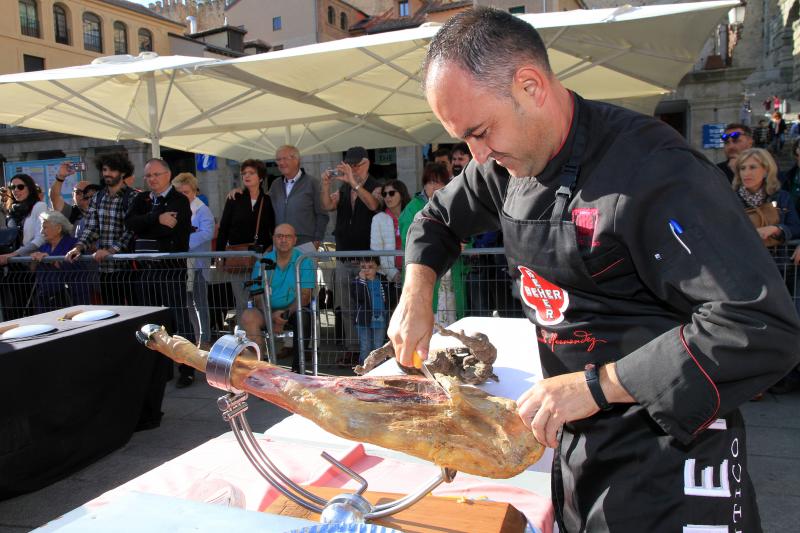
(752, 199)
(18, 213)
(398, 243)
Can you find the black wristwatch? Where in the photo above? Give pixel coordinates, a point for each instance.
(593, 381)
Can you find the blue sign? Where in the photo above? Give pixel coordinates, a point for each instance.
(712, 135)
(43, 172)
(205, 162)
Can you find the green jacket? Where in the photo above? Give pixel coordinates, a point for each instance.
(459, 269)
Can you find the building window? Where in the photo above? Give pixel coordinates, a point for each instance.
(92, 33)
(32, 63)
(404, 8)
(518, 10)
(28, 18)
(120, 38)
(343, 20)
(276, 23)
(60, 24)
(145, 41)
(331, 15)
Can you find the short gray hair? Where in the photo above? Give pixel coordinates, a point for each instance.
(288, 147)
(56, 217)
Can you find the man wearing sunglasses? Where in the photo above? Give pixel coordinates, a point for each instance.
(736, 138)
(82, 193)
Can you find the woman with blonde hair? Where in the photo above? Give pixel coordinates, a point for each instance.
(197, 267)
(770, 209)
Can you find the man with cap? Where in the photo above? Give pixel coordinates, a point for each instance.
(355, 205)
(82, 193)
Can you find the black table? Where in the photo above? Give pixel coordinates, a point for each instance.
(74, 395)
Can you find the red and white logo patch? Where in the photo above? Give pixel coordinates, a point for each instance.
(548, 300)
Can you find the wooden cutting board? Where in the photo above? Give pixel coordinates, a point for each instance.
(429, 515)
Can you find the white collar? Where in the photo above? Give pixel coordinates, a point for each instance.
(297, 177)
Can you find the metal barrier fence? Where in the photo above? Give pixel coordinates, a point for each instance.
(344, 324)
(336, 328)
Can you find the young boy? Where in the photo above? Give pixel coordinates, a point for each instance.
(369, 292)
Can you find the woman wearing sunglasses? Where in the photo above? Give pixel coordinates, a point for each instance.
(385, 231)
(24, 216)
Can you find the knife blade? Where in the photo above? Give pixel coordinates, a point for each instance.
(421, 364)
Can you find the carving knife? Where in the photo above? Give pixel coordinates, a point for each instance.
(419, 363)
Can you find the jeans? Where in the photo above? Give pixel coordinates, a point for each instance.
(369, 339)
(346, 270)
(198, 307)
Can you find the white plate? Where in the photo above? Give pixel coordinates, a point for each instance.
(97, 314)
(30, 330)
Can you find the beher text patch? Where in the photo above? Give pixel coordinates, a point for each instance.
(548, 300)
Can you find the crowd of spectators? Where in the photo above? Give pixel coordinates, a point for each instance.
(284, 220)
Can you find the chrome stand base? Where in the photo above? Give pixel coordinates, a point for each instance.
(343, 508)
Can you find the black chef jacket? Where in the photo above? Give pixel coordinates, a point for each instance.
(669, 280)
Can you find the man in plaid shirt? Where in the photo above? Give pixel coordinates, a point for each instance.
(105, 226)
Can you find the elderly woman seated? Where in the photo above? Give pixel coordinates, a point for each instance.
(58, 284)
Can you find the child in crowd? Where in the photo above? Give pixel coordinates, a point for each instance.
(369, 292)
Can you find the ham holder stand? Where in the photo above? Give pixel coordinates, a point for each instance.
(342, 508)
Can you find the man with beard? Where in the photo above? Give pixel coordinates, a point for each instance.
(105, 226)
(655, 321)
(461, 157)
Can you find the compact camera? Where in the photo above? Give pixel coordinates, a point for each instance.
(334, 172)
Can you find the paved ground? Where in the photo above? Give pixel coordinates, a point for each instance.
(191, 418)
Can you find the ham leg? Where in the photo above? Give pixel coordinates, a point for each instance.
(472, 432)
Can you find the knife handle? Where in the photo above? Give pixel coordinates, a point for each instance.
(417, 360)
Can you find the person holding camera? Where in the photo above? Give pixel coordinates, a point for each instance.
(355, 205)
(82, 193)
(247, 223)
(283, 293)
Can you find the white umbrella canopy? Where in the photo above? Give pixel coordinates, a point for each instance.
(367, 89)
(118, 97)
(330, 96)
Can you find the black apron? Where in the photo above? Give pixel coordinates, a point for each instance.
(618, 470)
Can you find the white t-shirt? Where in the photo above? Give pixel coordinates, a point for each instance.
(32, 227)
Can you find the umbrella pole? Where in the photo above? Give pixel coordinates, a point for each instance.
(152, 110)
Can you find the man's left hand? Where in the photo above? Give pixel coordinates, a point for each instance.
(553, 402)
(101, 254)
(346, 175)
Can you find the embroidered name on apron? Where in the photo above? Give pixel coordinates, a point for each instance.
(548, 300)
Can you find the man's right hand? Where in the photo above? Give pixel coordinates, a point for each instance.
(168, 219)
(234, 193)
(73, 254)
(64, 170)
(411, 326)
